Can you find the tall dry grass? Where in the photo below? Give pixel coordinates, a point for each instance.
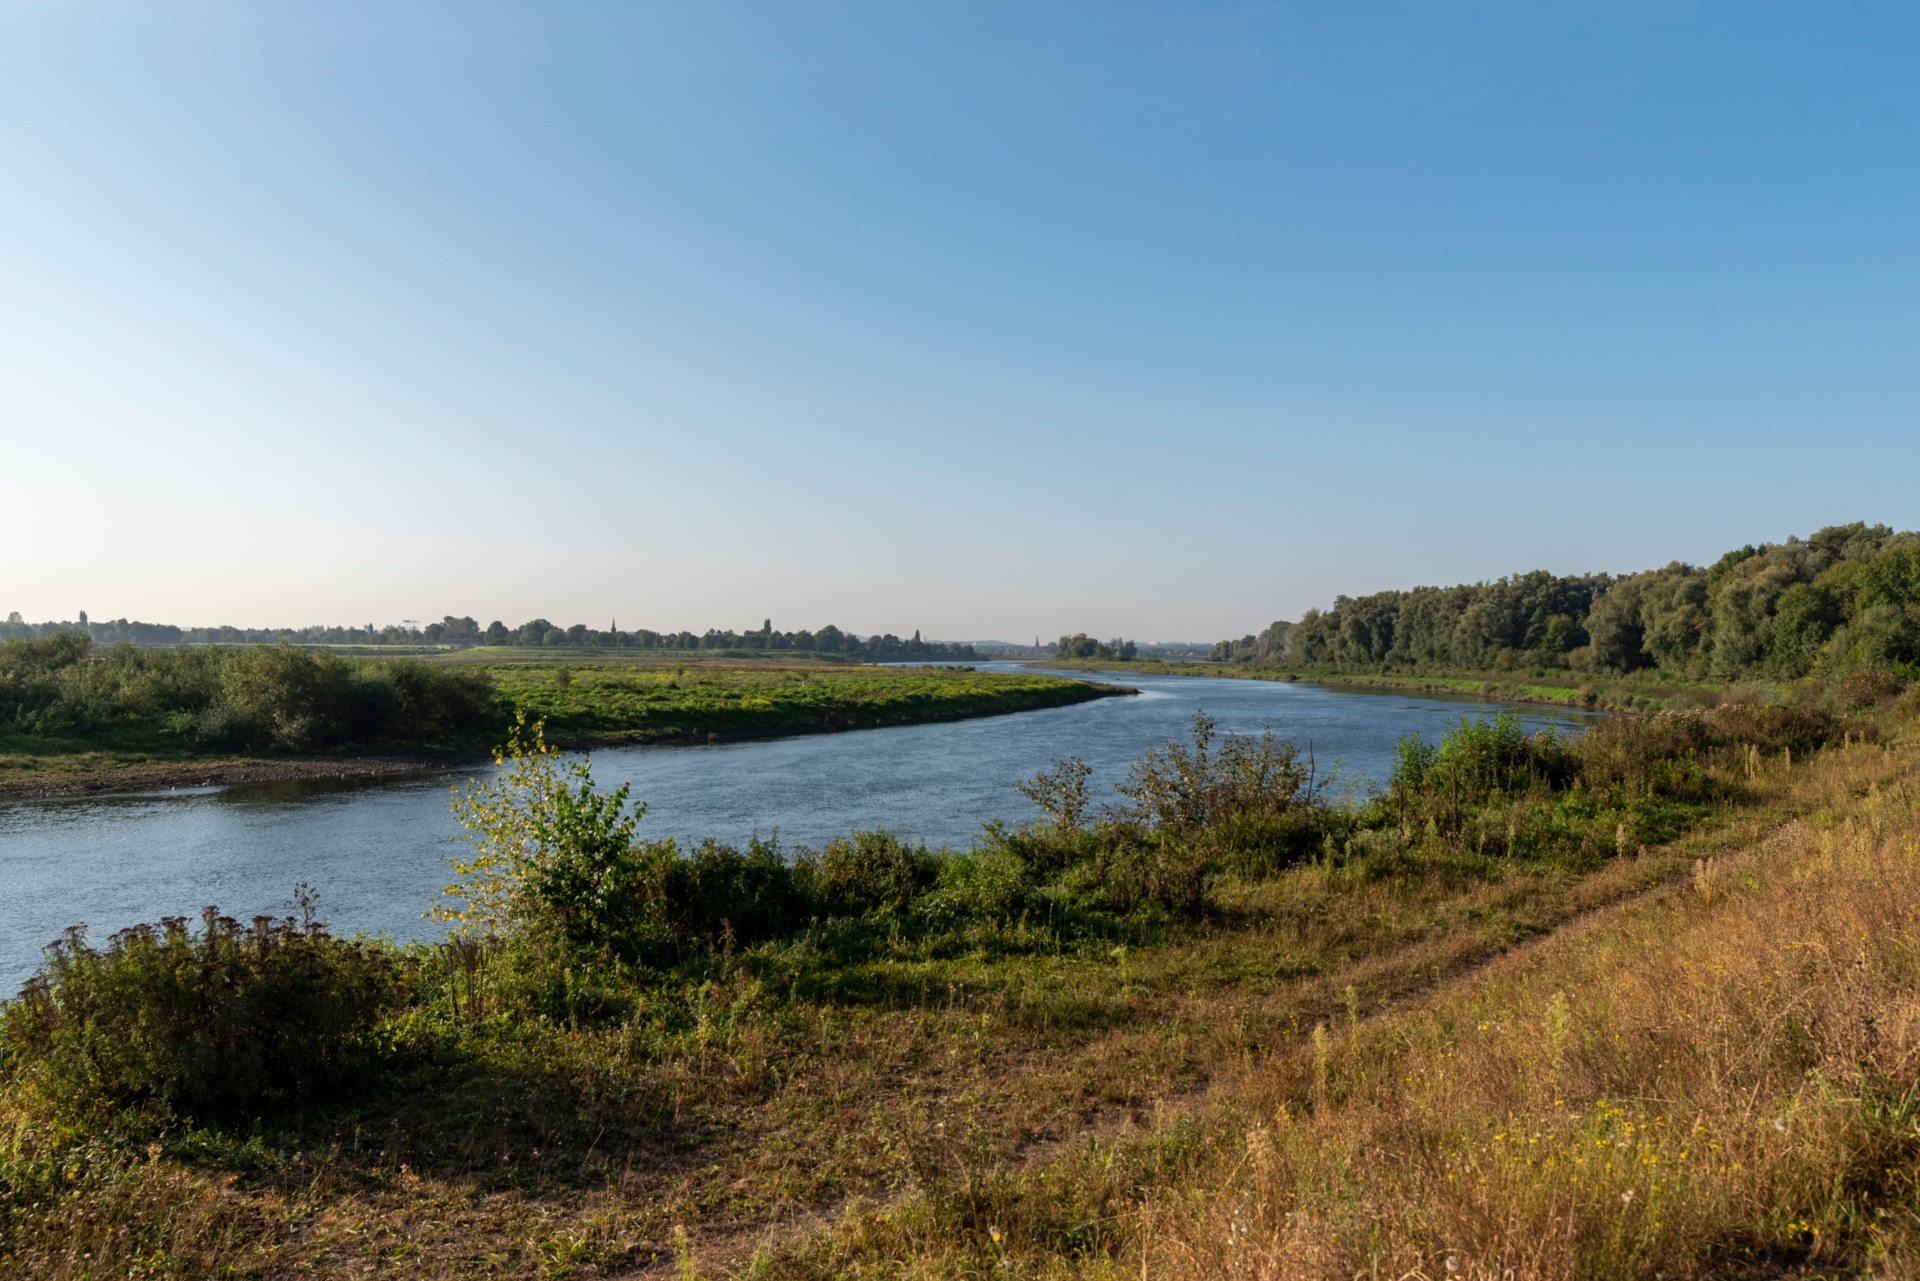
(1722, 1081)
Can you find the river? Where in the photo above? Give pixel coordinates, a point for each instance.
(377, 851)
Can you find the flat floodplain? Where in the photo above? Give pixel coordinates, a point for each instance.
(124, 737)
(600, 703)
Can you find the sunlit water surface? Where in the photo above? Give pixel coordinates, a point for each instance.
(377, 850)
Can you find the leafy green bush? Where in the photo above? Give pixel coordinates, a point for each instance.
(304, 700)
(1186, 787)
(991, 885)
(232, 699)
(864, 873)
(1481, 758)
(1060, 792)
(559, 867)
(222, 1021)
(1136, 870)
(1244, 803)
(555, 860)
(719, 892)
(300, 700)
(432, 702)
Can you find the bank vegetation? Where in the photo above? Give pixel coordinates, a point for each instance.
(73, 714)
(1227, 1021)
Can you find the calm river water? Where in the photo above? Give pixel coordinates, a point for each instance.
(377, 851)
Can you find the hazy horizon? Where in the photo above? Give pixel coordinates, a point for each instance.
(987, 320)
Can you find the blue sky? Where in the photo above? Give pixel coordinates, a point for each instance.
(984, 319)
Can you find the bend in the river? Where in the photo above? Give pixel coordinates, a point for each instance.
(377, 850)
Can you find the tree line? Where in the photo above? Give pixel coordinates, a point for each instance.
(1843, 599)
(880, 647)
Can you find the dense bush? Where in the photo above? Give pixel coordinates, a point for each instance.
(216, 1022)
(1134, 869)
(1188, 787)
(231, 699)
(1245, 802)
(865, 873)
(1491, 789)
(987, 886)
(1483, 758)
(717, 893)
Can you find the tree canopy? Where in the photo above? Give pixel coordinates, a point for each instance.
(1843, 598)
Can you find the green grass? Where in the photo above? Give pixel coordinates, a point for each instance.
(585, 700)
(590, 703)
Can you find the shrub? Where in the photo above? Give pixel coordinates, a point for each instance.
(47, 655)
(1479, 761)
(1801, 729)
(301, 700)
(1260, 844)
(1647, 755)
(432, 702)
(1060, 792)
(867, 872)
(719, 891)
(554, 858)
(31, 676)
(992, 885)
(1049, 850)
(1135, 869)
(222, 726)
(220, 1021)
(1189, 786)
(1867, 687)
(1235, 802)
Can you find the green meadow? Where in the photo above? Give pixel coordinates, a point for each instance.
(78, 717)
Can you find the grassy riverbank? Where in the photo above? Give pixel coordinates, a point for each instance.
(1113, 1043)
(1639, 691)
(586, 703)
(72, 719)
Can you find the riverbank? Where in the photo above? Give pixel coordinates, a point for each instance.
(1644, 693)
(975, 1077)
(585, 706)
(100, 774)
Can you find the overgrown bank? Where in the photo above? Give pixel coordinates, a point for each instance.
(646, 1051)
(73, 718)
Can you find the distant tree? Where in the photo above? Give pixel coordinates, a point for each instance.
(1079, 645)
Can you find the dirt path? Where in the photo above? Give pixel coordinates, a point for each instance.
(1396, 983)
